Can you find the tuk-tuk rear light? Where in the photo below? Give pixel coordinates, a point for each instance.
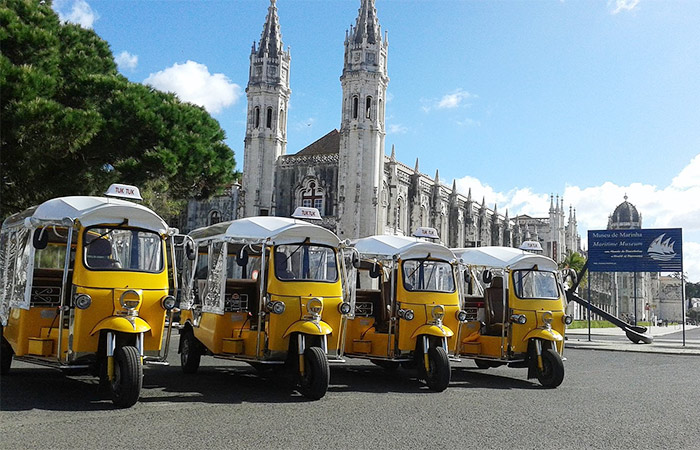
(82, 301)
(167, 302)
(344, 308)
(276, 307)
(314, 306)
(438, 312)
(406, 314)
(567, 319)
(462, 315)
(519, 318)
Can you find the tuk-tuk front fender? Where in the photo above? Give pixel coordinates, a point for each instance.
(433, 330)
(122, 324)
(545, 334)
(309, 327)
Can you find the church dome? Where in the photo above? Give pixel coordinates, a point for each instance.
(625, 216)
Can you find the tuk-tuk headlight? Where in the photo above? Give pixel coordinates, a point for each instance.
(314, 306)
(167, 302)
(406, 314)
(438, 312)
(547, 317)
(567, 319)
(518, 318)
(344, 308)
(276, 307)
(462, 315)
(82, 301)
(130, 300)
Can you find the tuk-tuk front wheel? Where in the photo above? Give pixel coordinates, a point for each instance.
(437, 377)
(190, 352)
(552, 373)
(314, 382)
(125, 386)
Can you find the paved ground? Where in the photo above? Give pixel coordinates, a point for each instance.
(668, 340)
(607, 400)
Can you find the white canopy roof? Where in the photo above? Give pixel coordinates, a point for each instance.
(89, 211)
(386, 247)
(504, 258)
(280, 230)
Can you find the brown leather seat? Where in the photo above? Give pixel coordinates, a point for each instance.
(99, 255)
(495, 312)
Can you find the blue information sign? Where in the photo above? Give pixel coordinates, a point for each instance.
(642, 250)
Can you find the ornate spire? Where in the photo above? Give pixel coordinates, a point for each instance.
(437, 176)
(551, 203)
(271, 38)
(367, 25)
(454, 186)
(416, 169)
(469, 195)
(393, 153)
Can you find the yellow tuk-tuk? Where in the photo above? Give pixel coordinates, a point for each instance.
(85, 285)
(266, 291)
(407, 306)
(515, 303)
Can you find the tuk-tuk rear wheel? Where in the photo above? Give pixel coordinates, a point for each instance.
(128, 377)
(190, 352)
(438, 377)
(314, 383)
(552, 373)
(5, 356)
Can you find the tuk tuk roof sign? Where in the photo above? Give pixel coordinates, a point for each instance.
(640, 250)
(89, 211)
(504, 258)
(385, 246)
(279, 230)
(124, 191)
(306, 213)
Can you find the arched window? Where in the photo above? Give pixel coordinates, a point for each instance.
(355, 106)
(311, 195)
(269, 118)
(214, 217)
(257, 117)
(368, 107)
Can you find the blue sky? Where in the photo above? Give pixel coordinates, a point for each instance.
(517, 100)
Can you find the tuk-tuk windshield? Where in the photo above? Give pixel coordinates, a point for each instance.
(122, 249)
(428, 275)
(305, 262)
(535, 284)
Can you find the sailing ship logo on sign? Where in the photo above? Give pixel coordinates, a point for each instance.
(662, 250)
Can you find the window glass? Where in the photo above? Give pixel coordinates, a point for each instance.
(305, 262)
(128, 249)
(427, 275)
(535, 284)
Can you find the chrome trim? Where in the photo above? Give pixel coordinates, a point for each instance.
(64, 282)
(111, 342)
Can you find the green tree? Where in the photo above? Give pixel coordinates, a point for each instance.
(71, 124)
(576, 261)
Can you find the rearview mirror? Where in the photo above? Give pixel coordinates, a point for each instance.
(40, 239)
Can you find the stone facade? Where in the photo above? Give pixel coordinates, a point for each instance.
(347, 175)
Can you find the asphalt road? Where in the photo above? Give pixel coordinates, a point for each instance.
(607, 400)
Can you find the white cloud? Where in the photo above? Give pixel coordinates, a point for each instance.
(673, 206)
(75, 11)
(467, 122)
(305, 123)
(396, 129)
(193, 83)
(448, 101)
(126, 61)
(622, 5)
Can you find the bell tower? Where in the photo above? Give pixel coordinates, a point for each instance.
(266, 128)
(362, 130)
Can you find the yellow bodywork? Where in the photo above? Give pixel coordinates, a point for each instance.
(234, 334)
(104, 312)
(364, 340)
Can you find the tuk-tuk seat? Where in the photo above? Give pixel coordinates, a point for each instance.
(495, 313)
(243, 288)
(99, 255)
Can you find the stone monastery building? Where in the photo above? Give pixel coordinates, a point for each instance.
(346, 174)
